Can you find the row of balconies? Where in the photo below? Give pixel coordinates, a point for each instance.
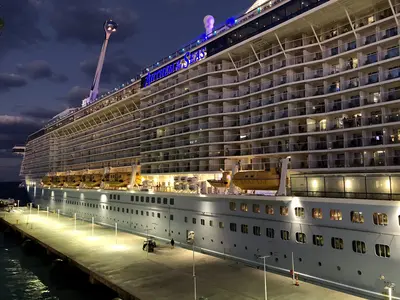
(375, 138)
(311, 91)
(331, 124)
(295, 61)
(279, 147)
(365, 40)
(371, 77)
(117, 154)
(308, 164)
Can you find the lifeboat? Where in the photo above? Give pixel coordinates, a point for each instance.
(257, 180)
(91, 179)
(47, 181)
(117, 179)
(73, 180)
(58, 181)
(223, 182)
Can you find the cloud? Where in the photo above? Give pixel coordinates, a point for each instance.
(76, 94)
(117, 68)
(9, 81)
(15, 130)
(40, 69)
(82, 21)
(22, 25)
(40, 114)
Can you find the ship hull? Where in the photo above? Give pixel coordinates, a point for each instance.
(343, 269)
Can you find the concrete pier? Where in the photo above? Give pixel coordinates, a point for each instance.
(119, 262)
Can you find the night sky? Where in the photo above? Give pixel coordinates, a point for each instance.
(49, 51)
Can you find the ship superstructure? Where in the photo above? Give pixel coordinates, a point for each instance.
(298, 99)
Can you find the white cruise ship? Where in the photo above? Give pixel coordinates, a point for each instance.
(275, 133)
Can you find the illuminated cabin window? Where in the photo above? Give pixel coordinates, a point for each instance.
(300, 237)
(202, 222)
(243, 207)
(336, 215)
(356, 217)
(380, 219)
(232, 205)
(299, 212)
(359, 247)
(318, 240)
(269, 210)
(337, 243)
(285, 235)
(371, 19)
(382, 250)
(221, 225)
(257, 230)
(317, 213)
(256, 208)
(284, 210)
(232, 227)
(270, 232)
(244, 228)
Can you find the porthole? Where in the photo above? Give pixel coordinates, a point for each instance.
(284, 256)
(339, 268)
(319, 264)
(222, 242)
(212, 241)
(300, 259)
(203, 238)
(276, 259)
(245, 247)
(359, 272)
(234, 245)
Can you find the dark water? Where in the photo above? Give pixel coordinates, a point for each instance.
(28, 276)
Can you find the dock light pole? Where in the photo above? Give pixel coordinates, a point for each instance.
(191, 240)
(92, 226)
(30, 209)
(38, 209)
(58, 214)
(18, 203)
(74, 221)
(47, 212)
(265, 276)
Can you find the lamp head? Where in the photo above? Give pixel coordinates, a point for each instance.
(110, 26)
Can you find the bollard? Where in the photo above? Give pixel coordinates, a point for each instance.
(297, 280)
